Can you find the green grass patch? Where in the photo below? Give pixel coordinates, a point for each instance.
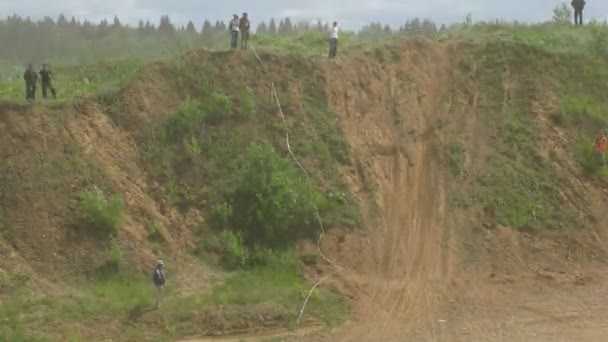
(582, 111)
(590, 159)
(155, 229)
(101, 214)
(247, 102)
(454, 155)
(516, 196)
(276, 280)
(102, 80)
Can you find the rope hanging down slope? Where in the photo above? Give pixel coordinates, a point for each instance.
(338, 269)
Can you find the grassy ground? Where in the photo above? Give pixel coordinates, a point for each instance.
(78, 81)
(72, 81)
(120, 302)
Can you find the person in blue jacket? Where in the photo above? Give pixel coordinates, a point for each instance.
(158, 277)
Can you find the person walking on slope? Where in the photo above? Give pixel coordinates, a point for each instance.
(234, 31)
(578, 6)
(600, 146)
(46, 77)
(333, 40)
(30, 77)
(244, 26)
(158, 277)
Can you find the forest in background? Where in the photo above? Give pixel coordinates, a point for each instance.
(71, 41)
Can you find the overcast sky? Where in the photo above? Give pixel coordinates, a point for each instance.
(350, 13)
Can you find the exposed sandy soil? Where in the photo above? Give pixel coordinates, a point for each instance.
(419, 270)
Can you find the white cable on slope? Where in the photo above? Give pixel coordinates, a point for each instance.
(339, 269)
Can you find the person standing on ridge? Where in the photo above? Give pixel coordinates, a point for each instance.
(333, 40)
(244, 26)
(234, 31)
(158, 277)
(600, 146)
(46, 77)
(30, 77)
(578, 6)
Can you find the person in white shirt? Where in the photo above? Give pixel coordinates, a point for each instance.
(333, 40)
(234, 31)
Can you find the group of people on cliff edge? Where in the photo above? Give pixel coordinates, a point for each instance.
(241, 26)
(31, 78)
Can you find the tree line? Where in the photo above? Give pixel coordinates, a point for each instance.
(64, 40)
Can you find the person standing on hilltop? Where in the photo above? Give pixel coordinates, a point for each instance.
(234, 31)
(46, 77)
(333, 40)
(30, 77)
(158, 278)
(578, 6)
(244, 26)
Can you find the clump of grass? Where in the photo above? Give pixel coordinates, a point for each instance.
(276, 279)
(517, 131)
(236, 254)
(102, 214)
(110, 297)
(247, 102)
(154, 230)
(185, 122)
(581, 110)
(455, 155)
(114, 257)
(514, 196)
(218, 107)
(589, 158)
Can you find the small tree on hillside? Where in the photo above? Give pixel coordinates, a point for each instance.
(562, 13)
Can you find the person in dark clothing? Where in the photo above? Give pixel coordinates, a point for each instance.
(30, 77)
(244, 26)
(158, 278)
(234, 31)
(578, 6)
(46, 77)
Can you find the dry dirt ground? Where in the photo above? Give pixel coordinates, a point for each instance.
(409, 275)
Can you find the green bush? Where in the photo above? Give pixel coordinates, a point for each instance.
(581, 110)
(103, 215)
(588, 157)
(236, 254)
(562, 13)
(518, 130)
(247, 102)
(193, 148)
(222, 212)
(218, 107)
(599, 40)
(185, 122)
(114, 257)
(212, 243)
(455, 157)
(272, 202)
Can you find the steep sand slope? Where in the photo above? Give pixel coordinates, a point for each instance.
(413, 285)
